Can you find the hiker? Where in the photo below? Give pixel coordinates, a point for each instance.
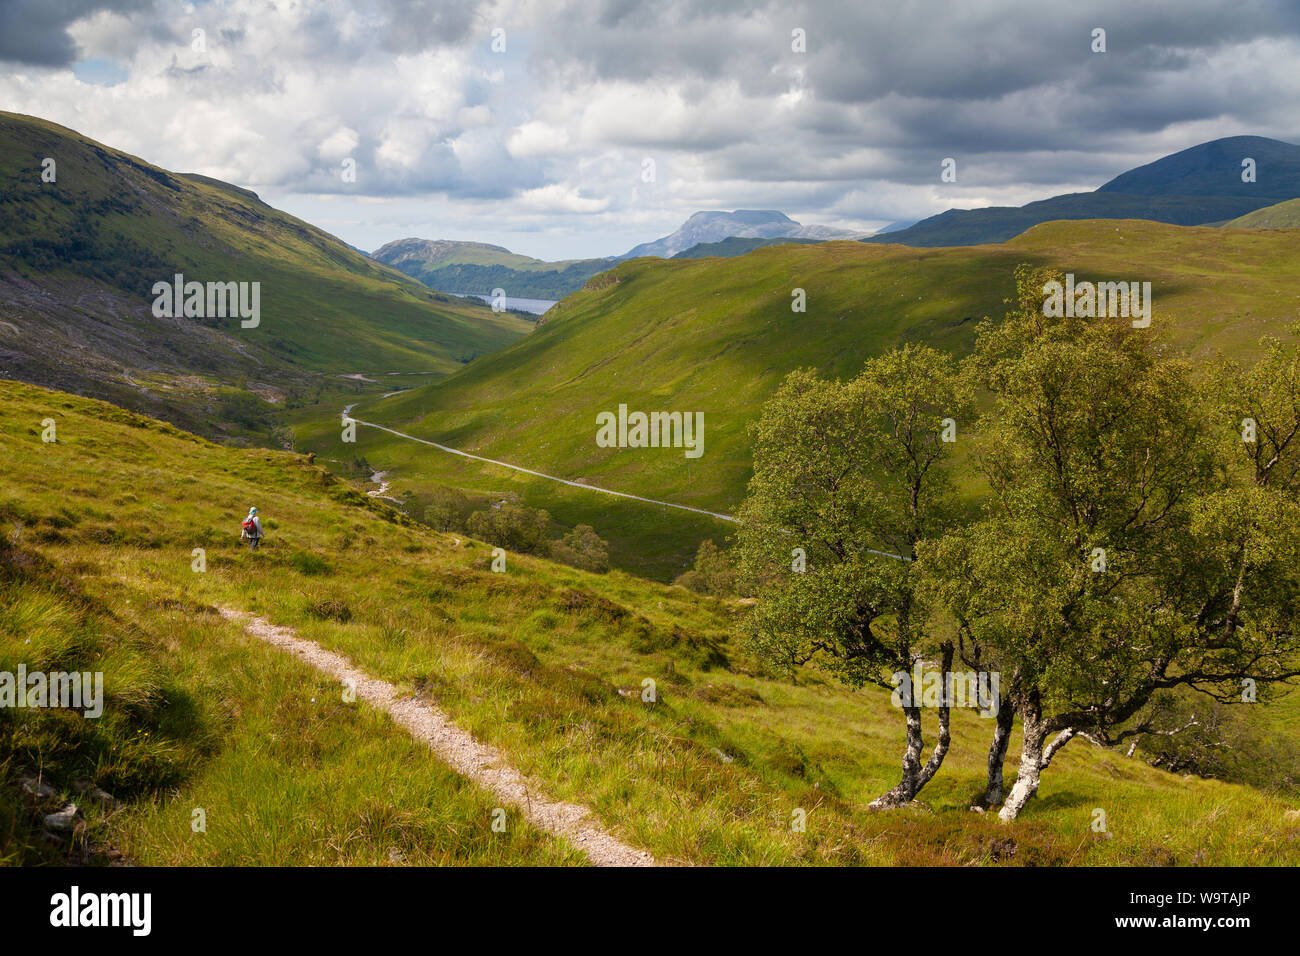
(252, 529)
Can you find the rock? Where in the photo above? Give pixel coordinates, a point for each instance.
(1002, 848)
(976, 809)
(37, 788)
(65, 819)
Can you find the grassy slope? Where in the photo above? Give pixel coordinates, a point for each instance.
(529, 660)
(1284, 215)
(97, 239)
(201, 716)
(737, 246)
(718, 335)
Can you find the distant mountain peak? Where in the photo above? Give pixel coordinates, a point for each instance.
(751, 216)
(716, 225)
(428, 250)
(1214, 169)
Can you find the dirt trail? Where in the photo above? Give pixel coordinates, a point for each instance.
(480, 763)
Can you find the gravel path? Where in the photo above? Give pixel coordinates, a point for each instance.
(485, 765)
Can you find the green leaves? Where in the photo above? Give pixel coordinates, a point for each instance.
(843, 470)
(1118, 552)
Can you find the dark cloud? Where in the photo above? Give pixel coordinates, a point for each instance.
(36, 31)
(409, 26)
(951, 77)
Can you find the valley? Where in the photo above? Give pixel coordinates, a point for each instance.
(719, 342)
(516, 538)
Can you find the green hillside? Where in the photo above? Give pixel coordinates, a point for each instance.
(717, 336)
(97, 571)
(79, 257)
(1285, 215)
(737, 246)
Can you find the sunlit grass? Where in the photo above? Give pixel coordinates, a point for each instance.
(545, 662)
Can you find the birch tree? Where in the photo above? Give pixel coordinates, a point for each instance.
(849, 478)
(1117, 555)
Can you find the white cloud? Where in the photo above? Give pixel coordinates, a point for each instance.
(558, 198)
(537, 139)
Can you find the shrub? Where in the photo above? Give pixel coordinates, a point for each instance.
(331, 609)
(582, 548)
(512, 526)
(446, 510)
(712, 573)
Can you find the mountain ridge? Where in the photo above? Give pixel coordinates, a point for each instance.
(80, 256)
(1195, 186)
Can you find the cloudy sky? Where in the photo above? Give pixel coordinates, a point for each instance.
(534, 124)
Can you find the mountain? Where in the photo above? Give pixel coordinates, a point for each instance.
(718, 335)
(80, 256)
(895, 226)
(476, 268)
(1196, 186)
(1215, 169)
(713, 227)
(1284, 215)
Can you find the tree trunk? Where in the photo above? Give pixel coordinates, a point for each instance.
(945, 711)
(914, 775)
(1059, 741)
(1031, 759)
(910, 784)
(994, 793)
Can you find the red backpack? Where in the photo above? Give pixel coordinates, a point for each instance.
(249, 526)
